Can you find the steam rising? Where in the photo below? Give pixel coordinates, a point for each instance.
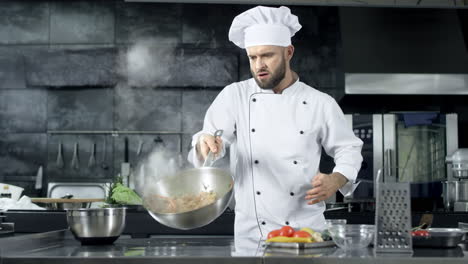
(159, 164)
(147, 63)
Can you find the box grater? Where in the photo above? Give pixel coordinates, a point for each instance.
(393, 218)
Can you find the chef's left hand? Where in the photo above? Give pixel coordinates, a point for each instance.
(324, 186)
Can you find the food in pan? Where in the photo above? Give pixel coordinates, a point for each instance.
(420, 233)
(288, 234)
(181, 204)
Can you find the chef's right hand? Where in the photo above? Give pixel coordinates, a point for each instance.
(207, 142)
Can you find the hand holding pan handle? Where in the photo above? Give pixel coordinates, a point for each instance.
(209, 158)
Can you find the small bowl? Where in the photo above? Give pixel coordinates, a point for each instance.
(333, 222)
(352, 236)
(96, 226)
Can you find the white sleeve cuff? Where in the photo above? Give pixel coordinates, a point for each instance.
(351, 174)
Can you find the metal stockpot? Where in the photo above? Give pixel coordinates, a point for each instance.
(192, 182)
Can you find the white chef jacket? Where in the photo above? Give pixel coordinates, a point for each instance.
(278, 140)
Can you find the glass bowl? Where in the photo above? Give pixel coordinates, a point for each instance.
(352, 236)
(333, 222)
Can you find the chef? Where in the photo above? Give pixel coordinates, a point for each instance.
(278, 125)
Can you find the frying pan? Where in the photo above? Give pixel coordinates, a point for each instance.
(190, 182)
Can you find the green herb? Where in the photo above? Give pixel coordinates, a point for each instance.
(122, 195)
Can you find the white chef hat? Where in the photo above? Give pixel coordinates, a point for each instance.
(264, 26)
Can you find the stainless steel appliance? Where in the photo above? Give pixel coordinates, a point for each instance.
(413, 144)
(455, 192)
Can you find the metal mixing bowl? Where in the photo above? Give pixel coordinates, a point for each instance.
(96, 225)
(190, 182)
(66, 206)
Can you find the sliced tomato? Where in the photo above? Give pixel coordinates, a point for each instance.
(286, 231)
(301, 234)
(423, 233)
(274, 233)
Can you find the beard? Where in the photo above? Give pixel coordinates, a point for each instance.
(275, 77)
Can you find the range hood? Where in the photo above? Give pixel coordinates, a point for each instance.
(404, 51)
(375, 3)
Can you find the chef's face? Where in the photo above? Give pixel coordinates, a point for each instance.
(268, 65)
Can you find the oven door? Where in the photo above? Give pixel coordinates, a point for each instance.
(367, 127)
(415, 147)
(416, 144)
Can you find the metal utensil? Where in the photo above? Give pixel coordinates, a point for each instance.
(59, 161)
(209, 158)
(425, 222)
(104, 165)
(67, 196)
(140, 147)
(75, 163)
(125, 166)
(39, 175)
(92, 157)
(96, 225)
(392, 217)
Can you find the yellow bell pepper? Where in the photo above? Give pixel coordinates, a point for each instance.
(283, 239)
(308, 230)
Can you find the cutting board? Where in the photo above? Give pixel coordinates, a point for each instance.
(61, 200)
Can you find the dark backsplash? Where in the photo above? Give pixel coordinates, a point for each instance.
(61, 69)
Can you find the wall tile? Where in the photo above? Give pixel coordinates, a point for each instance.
(12, 68)
(208, 68)
(212, 29)
(95, 67)
(23, 110)
(308, 18)
(146, 109)
(136, 21)
(80, 109)
(80, 170)
(328, 25)
(82, 46)
(150, 64)
(82, 22)
(244, 67)
(22, 154)
(317, 67)
(194, 106)
(186, 146)
(307, 64)
(24, 22)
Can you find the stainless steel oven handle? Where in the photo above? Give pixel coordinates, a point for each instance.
(388, 162)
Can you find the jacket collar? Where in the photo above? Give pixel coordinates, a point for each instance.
(288, 91)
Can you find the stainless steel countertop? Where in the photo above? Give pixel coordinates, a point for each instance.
(61, 247)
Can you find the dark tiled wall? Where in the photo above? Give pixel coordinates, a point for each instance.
(61, 68)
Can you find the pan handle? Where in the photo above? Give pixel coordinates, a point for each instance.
(209, 158)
